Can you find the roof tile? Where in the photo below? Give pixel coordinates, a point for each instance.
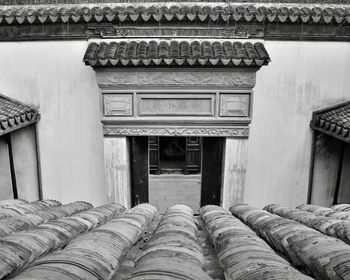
(76, 242)
(334, 121)
(174, 53)
(247, 13)
(14, 115)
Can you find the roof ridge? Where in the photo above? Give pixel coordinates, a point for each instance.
(180, 4)
(336, 14)
(63, 2)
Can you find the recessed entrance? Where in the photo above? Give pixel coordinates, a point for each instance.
(168, 170)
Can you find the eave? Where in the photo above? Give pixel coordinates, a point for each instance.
(15, 115)
(279, 21)
(333, 121)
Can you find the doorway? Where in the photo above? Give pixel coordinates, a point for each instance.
(168, 170)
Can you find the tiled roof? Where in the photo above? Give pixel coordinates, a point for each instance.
(42, 214)
(137, 13)
(70, 2)
(108, 242)
(14, 115)
(229, 233)
(334, 121)
(293, 233)
(176, 53)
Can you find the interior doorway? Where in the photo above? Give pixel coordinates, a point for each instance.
(175, 171)
(175, 155)
(168, 170)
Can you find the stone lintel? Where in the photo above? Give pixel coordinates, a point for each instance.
(200, 78)
(202, 131)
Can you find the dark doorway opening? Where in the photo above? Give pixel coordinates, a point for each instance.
(172, 154)
(178, 156)
(212, 170)
(139, 169)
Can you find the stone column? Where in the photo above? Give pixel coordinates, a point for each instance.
(326, 165)
(117, 169)
(234, 171)
(344, 190)
(5, 172)
(25, 162)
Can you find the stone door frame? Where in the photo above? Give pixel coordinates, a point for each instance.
(231, 90)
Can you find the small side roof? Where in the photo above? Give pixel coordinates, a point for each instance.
(334, 121)
(15, 115)
(177, 54)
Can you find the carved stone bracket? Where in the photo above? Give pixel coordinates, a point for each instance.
(177, 131)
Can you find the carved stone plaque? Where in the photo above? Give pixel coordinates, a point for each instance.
(234, 105)
(176, 105)
(117, 104)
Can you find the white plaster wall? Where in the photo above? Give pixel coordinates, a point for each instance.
(52, 76)
(302, 77)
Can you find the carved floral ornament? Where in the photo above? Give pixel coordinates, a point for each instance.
(188, 78)
(177, 131)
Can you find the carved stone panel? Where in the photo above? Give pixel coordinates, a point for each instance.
(117, 104)
(176, 105)
(204, 79)
(234, 105)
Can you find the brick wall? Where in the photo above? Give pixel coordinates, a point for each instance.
(167, 190)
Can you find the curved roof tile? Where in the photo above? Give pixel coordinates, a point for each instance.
(175, 53)
(248, 13)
